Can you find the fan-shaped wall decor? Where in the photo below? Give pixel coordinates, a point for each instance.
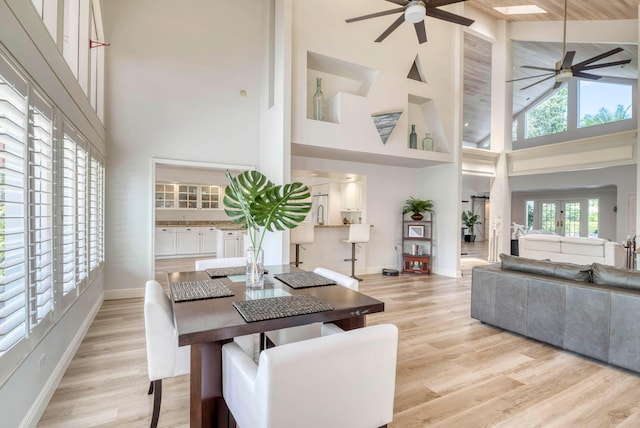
(385, 122)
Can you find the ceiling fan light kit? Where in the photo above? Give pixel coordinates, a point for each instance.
(415, 12)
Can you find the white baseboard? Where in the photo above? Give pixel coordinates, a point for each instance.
(123, 293)
(42, 401)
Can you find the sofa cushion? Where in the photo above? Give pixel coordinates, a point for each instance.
(583, 246)
(550, 243)
(615, 277)
(570, 271)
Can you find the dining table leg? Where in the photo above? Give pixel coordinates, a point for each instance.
(352, 323)
(207, 406)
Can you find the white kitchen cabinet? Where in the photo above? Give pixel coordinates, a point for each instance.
(350, 196)
(231, 243)
(187, 240)
(165, 241)
(208, 238)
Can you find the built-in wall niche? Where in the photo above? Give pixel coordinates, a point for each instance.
(423, 113)
(338, 76)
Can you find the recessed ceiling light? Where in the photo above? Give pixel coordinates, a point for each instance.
(520, 10)
(466, 124)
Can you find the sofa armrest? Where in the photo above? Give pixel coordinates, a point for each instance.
(614, 254)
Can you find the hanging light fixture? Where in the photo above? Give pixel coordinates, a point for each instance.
(415, 11)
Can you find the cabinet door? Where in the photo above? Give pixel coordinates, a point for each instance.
(165, 195)
(208, 240)
(188, 240)
(165, 241)
(210, 197)
(350, 196)
(230, 245)
(187, 196)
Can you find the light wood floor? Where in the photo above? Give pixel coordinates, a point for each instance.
(452, 370)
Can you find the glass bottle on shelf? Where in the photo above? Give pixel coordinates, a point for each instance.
(413, 138)
(318, 101)
(427, 142)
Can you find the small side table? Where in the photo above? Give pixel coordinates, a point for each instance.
(415, 264)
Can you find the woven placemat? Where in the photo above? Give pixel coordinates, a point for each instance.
(196, 290)
(303, 279)
(226, 271)
(280, 307)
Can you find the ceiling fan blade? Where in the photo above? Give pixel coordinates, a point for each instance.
(375, 15)
(438, 3)
(557, 85)
(400, 2)
(529, 77)
(390, 29)
(586, 75)
(421, 32)
(448, 16)
(535, 83)
(539, 68)
(606, 64)
(568, 59)
(598, 57)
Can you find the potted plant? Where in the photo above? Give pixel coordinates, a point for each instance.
(251, 199)
(470, 220)
(417, 207)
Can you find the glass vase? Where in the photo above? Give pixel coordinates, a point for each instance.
(255, 269)
(413, 138)
(427, 142)
(318, 101)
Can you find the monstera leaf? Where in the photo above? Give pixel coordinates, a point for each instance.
(252, 199)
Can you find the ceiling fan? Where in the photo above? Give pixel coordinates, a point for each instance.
(414, 11)
(565, 69)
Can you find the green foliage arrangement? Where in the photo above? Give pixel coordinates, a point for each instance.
(253, 200)
(470, 220)
(417, 206)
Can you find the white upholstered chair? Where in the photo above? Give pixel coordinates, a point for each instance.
(309, 331)
(220, 263)
(303, 233)
(165, 358)
(344, 380)
(358, 234)
(247, 342)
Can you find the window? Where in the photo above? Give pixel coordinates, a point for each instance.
(572, 219)
(548, 117)
(43, 254)
(592, 227)
(71, 36)
(604, 103)
(548, 216)
(530, 210)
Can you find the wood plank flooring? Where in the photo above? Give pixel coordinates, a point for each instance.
(453, 371)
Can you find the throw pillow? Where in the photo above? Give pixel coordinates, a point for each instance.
(570, 271)
(616, 277)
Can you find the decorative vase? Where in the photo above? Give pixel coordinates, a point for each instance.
(318, 101)
(255, 269)
(427, 142)
(417, 216)
(413, 138)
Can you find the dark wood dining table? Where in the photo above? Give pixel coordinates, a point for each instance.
(208, 324)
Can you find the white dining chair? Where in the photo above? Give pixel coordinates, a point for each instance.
(165, 358)
(248, 341)
(309, 331)
(358, 234)
(344, 380)
(220, 263)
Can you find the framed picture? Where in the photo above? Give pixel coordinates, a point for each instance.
(415, 231)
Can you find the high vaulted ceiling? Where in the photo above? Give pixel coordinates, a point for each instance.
(477, 87)
(577, 10)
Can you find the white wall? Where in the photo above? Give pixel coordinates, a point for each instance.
(623, 177)
(174, 76)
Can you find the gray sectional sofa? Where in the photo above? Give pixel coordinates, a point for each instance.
(592, 310)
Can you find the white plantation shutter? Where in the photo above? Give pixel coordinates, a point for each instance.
(94, 226)
(13, 280)
(82, 218)
(40, 185)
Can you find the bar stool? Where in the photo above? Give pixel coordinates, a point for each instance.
(358, 234)
(302, 234)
